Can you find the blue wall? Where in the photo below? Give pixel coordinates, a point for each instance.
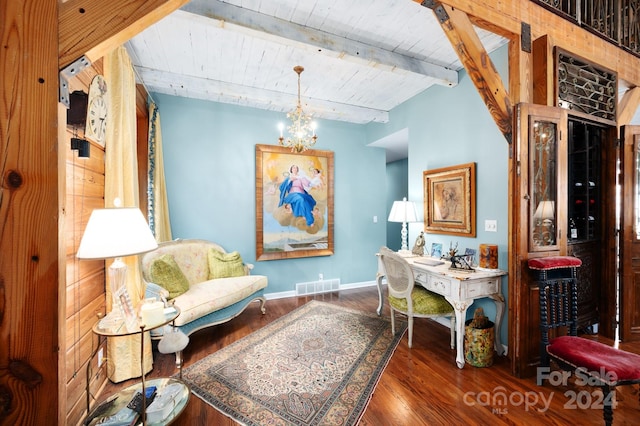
(450, 126)
(209, 154)
(397, 188)
(210, 170)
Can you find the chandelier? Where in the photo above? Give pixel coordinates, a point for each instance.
(302, 130)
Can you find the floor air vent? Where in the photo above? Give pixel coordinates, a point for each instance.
(317, 287)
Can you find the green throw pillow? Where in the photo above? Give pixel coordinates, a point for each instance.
(165, 272)
(223, 265)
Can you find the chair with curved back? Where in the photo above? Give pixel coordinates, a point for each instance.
(411, 300)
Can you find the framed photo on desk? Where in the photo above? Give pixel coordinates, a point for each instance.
(436, 250)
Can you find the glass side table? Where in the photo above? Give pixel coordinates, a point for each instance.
(113, 404)
(107, 412)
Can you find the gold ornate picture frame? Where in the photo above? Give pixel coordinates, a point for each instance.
(450, 200)
(294, 203)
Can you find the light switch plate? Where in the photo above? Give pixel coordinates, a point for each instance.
(491, 225)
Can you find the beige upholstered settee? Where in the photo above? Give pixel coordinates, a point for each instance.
(209, 296)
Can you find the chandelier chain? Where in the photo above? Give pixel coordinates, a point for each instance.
(301, 130)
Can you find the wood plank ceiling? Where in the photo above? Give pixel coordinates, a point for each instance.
(362, 58)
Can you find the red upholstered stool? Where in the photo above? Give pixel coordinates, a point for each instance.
(607, 367)
(545, 264)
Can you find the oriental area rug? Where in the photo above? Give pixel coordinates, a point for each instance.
(317, 365)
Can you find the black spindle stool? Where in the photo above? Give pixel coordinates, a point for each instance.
(608, 367)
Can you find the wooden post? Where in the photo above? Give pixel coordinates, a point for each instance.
(29, 213)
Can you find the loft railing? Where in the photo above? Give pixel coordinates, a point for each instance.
(617, 21)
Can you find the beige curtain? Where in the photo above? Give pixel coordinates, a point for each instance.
(121, 182)
(158, 204)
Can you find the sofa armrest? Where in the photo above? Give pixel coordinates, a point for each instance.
(247, 268)
(154, 290)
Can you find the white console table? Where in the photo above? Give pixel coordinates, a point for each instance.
(460, 289)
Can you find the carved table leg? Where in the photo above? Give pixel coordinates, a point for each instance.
(460, 308)
(499, 301)
(380, 298)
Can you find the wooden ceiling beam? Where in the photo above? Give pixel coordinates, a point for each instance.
(291, 34)
(506, 17)
(628, 105)
(93, 28)
(466, 43)
(230, 93)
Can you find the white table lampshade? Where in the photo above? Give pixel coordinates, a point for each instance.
(404, 212)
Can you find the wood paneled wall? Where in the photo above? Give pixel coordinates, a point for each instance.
(85, 293)
(84, 284)
(85, 280)
(40, 37)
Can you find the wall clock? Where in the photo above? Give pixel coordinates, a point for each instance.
(97, 111)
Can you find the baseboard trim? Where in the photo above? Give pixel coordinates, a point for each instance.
(284, 294)
(292, 293)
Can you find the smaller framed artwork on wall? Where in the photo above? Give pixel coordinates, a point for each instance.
(294, 203)
(450, 200)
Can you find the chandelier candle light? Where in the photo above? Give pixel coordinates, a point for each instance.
(302, 130)
(404, 211)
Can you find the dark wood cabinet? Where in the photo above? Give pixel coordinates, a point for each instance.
(567, 185)
(584, 181)
(585, 213)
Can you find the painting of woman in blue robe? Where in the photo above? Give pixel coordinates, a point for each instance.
(294, 203)
(294, 195)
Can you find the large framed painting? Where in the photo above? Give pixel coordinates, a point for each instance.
(450, 200)
(294, 203)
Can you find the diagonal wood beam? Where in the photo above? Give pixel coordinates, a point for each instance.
(95, 27)
(459, 29)
(292, 34)
(628, 105)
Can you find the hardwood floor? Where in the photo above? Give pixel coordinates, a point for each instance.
(421, 385)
